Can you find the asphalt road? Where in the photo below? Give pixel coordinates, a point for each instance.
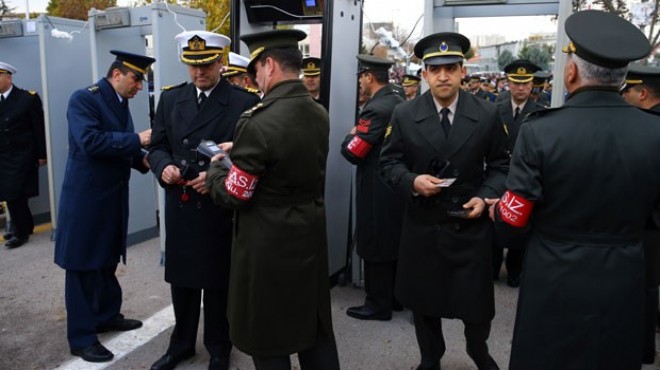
(33, 320)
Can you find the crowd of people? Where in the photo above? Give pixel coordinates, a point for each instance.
(445, 180)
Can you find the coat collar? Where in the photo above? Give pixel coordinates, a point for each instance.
(285, 88)
(110, 97)
(466, 118)
(595, 96)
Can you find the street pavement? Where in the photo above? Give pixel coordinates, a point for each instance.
(33, 320)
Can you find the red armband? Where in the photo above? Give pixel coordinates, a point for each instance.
(359, 147)
(240, 184)
(363, 125)
(514, 209)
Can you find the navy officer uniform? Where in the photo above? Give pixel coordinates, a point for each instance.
(22, 151)
(583, 182)
(444, 268)
(93, 210)
(513, 110)
(198, 241)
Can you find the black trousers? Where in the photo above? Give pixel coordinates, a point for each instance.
(92, 298)
(428, 331)
(186, 302)
(21, 217)
(379, 285)
(650, 322)
(514, 255)
(323, 356)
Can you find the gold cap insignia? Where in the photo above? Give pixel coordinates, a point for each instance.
(521, 71)
(196, 43)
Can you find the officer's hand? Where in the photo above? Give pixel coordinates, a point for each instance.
(226, 146)
(491, 207)
(199, 184)
(42, 162)
(145, 162)
(171, 175)
(217, 157)
(145, 137)
(427, 185)
(476, 206)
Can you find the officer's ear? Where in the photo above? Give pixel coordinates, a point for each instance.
(643, 93)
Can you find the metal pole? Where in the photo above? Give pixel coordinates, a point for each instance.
(27, 9)
(565, 10)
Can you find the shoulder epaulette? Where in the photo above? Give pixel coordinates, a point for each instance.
(170, 87)
(248, 113)
(253, 90)
(32, 92)
(94, 89)
(541, 113)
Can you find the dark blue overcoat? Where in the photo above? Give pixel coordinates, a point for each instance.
(93, 209)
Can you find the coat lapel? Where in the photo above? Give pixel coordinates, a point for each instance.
(112, 101)
(465, 121)
(428, 120)
(215, 105)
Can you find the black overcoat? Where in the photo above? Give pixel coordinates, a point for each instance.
(512, 126)
(379, 211)
(22, 143)
(198, 241)
(444, 267)
(591, 170)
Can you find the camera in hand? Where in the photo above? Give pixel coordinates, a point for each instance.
(210, 149)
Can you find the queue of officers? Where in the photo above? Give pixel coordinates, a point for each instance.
(445, 180)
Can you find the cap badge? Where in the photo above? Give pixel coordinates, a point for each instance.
(311, 65)
(444, 47)
(196, 43)
(521, 71)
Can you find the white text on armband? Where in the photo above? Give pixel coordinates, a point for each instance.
(240, 184)
(359, 147)
(514, 209)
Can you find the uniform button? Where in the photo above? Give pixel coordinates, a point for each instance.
(201, 163)
(185, 141)
(457, 226)
(454, 199)
(184, 162)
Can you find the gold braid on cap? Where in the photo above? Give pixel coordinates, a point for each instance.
(200, 61)
(634, 82)
(443, 53)
(134, 67)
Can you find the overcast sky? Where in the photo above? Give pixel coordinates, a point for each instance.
(404, 13)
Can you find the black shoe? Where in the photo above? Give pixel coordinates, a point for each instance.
(396, 306)
(119, 324)
(169, 362)
(94, 353)
(368, 313)
(15, 242)
(489, 365)
(513, 282)
(420, 367)
(8, 235)
(219, 363)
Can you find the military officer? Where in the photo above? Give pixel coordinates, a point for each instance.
(642, 89)
(410, 85)
(539, 93)
(22, 151)
(236, 73)
(279, 295)
(311, 69)
(447, 151)
(198, 242)
(93, 210)
(583, 181)
(378, 209)
(520, 74)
